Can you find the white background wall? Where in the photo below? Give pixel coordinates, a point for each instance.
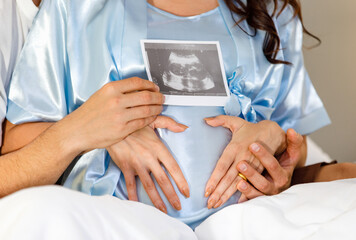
(332, 68)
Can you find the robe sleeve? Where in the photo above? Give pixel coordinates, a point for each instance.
(297, 106)
(38, 88)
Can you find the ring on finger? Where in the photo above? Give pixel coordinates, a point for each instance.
(243, 176)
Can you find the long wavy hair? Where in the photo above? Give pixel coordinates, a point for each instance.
(258, 18)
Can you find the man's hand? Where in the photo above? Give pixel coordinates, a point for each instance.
(278, 173)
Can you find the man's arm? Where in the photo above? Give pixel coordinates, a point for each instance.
(112, 113)
(40, 162)
(18, 136)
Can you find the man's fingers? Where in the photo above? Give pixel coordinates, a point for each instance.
(294, 139)
(249, 191)
(169, 123)
(137, 124)
(232, 123)
(142, 112)
(174, 170)
(255, 178)
(142, 98)
(133, 84)
(242, 198)
(269, 162)
(151, 189)
(295, 143)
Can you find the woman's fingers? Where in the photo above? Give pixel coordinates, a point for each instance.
(255, 178)
(130, 180)
(224, 163)
(120, 155)
(232, 123)
(151, 190)
(168, 123)
(174, 170)
(166, 186)
(228, 193)
(225, 183)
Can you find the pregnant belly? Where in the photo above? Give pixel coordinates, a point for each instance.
(197, 151)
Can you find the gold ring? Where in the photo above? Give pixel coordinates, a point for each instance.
(242, 176)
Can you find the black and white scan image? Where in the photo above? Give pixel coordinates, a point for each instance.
(188, 73)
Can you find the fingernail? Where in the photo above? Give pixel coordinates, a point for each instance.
(177, 205)
(255, 147)
(157, 88)
(208, 191)
(242, 185)
(218, 204)
(162, 208)
(242, 167)
(186, 192)
(211, 203)
(183, 127)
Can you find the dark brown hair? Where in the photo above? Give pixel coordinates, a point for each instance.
(258, 18)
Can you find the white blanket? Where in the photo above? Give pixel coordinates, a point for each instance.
(309, 211)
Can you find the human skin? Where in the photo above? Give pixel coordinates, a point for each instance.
(182, 8)
(18, 136)
(113, 112)
(278, 171)
(224, 179)
(36, 2)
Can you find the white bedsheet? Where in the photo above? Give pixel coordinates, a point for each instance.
(309, 211)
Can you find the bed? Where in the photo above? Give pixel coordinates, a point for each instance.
(307, 211)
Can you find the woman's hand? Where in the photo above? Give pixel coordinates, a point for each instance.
(278, 172)
(116, 110)
(143, 153)
(223, 181)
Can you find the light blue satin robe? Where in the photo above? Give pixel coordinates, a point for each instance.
(77, 46)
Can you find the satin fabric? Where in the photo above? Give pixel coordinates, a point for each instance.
(16, 19)
(85, 44)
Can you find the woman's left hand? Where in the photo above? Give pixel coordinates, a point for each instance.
(224, 179)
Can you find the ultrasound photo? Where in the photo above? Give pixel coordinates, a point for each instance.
(188, 73)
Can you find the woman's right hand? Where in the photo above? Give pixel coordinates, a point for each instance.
(113, 112)
(143, 153)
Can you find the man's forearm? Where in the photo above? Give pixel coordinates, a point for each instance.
(39, 163)
(18, 136)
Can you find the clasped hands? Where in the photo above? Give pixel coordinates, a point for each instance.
(142, 153)
(138, 151)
